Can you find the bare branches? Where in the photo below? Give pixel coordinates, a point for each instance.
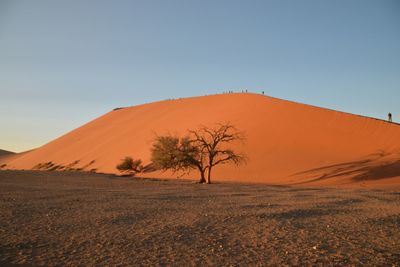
(203, 149)
(230, 156)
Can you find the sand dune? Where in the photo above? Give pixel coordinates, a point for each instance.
(5, 152)
(6, 155)
(287, 142)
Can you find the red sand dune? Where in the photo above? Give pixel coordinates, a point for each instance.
(286, 143)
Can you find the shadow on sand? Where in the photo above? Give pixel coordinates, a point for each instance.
(374, 167)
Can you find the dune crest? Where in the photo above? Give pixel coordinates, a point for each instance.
(286, 142)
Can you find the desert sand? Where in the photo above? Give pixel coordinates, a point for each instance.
(5, 153)
(83, 219)
(286, 142)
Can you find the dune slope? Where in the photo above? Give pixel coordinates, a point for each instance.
(5, 153)
(286, 142)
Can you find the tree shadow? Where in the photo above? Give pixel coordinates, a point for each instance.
(336, 168)
(304, 213)
(374, 167)
(386, 170)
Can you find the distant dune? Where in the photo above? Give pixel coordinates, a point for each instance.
(7, 156)
(287, 142)
(5, 152)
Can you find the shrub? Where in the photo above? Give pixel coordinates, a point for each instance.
(130, 166)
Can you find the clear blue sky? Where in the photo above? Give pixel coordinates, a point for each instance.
(63, 63)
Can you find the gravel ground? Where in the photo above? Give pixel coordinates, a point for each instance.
(70, 219)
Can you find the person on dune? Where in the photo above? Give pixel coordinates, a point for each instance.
(390, 117)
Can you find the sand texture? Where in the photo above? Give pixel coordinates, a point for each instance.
(76, 219)
(287, 142)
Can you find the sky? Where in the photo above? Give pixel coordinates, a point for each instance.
(64, 63)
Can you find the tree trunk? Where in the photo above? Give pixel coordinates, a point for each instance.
(209, 176)
(202, 178)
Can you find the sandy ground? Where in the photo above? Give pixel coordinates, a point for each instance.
(90, 219)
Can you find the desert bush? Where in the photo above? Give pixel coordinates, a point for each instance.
(130, 166)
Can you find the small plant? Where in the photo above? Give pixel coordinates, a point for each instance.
(130, 166)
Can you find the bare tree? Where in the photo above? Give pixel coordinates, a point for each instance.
(201, 149)
(212, 146)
